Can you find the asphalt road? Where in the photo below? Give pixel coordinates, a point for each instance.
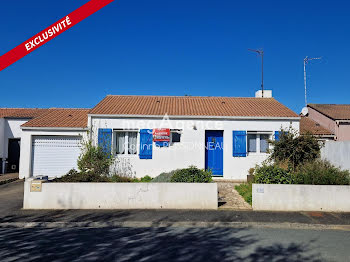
(173, 244)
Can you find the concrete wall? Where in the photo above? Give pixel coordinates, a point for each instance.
(343, 132)
(26, 147)
(337, 152)
(2, 137)
(121, 196)
(326, 198)
(191, 151)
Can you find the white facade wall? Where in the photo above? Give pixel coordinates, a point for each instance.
(190, 151)
(25, 168)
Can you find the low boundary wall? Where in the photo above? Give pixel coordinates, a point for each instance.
(120, 196)
(328, 198)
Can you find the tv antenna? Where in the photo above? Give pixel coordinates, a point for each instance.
(260, 52)
(306, 60)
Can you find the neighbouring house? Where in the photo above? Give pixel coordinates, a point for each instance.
(335, 118)
(154, 134)
(10, 135)
(309, 126)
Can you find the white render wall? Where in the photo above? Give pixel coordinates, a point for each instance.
(26, 146)
(2, 138)
(277, 197)
(337, 152)
(121, 196)
(190, 151)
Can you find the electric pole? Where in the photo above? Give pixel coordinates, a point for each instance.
(260, 52)
(306, 60)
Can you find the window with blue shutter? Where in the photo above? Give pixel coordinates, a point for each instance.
(105, 139)
(146, 143)
(277, 135)
(239, 143)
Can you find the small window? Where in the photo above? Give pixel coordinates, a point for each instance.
(264, 143)
(125, 143)
(175, 136)
(251, 143)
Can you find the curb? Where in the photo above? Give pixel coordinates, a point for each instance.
(140, 224)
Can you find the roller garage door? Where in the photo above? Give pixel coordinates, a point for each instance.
(54, 156)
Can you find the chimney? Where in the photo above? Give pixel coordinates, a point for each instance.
(267, 93)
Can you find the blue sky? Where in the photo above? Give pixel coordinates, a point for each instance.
(160, 47)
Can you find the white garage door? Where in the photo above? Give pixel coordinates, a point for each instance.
(54, 156)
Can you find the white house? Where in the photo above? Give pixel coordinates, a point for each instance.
(11, 120)
(154, 134)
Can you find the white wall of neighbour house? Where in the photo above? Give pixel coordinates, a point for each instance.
(26, 145)
(2, 138)
(190, 151)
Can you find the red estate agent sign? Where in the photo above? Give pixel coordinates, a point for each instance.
(161, 135)
(51, 32)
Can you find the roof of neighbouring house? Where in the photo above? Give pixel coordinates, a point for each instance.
(308, 125)
(191, 106)
(21, 112)
(336, 112)
(61, 117)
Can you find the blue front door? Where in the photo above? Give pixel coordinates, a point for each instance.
(214, 148)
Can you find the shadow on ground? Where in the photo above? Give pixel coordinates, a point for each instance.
(144, 244)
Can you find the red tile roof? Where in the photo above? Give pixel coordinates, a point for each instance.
(336, 112)
(21, 112)
(191, 106)
(308, 125)
(60, 117)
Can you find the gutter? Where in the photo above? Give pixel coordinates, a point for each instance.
(195, 117)
(55, 128)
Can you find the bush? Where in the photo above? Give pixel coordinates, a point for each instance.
(295, 149)
(245, 190)
(93, 160)
(272, 174)
(164, 177)
(192, 175)
(75, 176)
(121, 179)
(321, 172)
(146, 179)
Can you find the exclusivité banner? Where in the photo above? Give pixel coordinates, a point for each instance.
(51, 32)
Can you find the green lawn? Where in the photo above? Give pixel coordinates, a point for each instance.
(245, 190)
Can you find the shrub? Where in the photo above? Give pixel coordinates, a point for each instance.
(121, 179)
(272, 174)
(146, 179)
(75, 176)
(192, 175)
(93, 160)
(294, 149)
(321, 172)
(164, 177)
(245, 190)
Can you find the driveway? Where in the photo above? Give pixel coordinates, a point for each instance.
(11, 197)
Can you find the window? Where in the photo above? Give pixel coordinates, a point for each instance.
(125, 142)
(175, 136)
(251, 143)
(257, 143)
(264, 143)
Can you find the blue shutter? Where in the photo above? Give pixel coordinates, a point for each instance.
(146, 142)
(105, 139)
(277, 135)
(239, 143)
